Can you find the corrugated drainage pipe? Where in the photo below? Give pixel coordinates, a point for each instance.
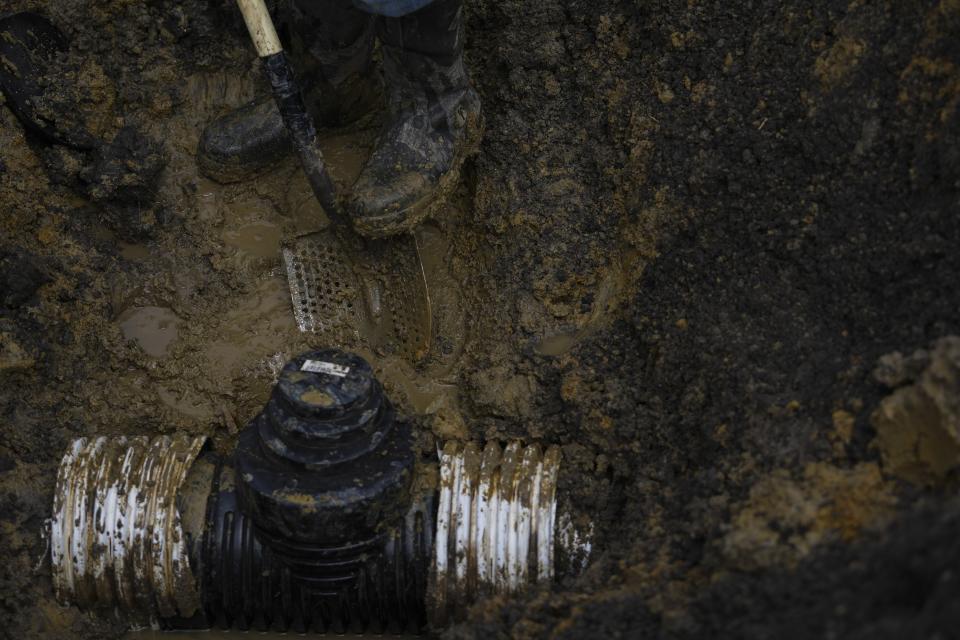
(321, 520)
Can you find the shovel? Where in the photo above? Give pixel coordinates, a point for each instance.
(382, 295)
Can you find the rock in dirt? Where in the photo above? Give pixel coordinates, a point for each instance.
(37, 82)
(447, 422)
(918, 426)
(123, 176)
(127, 170)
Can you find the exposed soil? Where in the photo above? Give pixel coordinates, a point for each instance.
(708, 248)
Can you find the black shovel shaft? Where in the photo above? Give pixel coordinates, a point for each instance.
(289, 98)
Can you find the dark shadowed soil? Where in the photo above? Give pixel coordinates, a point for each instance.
(693, 240)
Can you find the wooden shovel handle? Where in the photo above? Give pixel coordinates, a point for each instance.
(289, 99)
(260, 26)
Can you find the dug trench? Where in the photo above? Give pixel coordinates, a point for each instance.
(707, 248)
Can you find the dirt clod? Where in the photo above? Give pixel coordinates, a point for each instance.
(918, 426)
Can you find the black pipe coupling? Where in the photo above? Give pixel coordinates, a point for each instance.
(322, 480)
(312, 524)
(325, 462)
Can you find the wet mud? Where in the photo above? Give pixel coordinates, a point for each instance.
(707, 249)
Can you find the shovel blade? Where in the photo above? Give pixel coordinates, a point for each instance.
(374, 291)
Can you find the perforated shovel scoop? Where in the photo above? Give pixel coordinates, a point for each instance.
(374, 290)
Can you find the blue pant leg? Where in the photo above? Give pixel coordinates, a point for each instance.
(391, 8)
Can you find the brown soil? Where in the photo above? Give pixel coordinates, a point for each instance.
(691, 233)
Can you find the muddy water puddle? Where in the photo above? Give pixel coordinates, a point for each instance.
(559, 344)
(130, 251)
(422, 393)
(346, 153)
(256, 328)
(251, 227)
(258, 240)
(154, 329)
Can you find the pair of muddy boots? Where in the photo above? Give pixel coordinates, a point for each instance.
(433, 114)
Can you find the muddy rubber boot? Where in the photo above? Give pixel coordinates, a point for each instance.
(333, 44)
(434, 122)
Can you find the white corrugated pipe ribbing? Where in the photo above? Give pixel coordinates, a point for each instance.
(115, 536)
(496, 519)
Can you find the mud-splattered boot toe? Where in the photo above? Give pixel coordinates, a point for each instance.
(243, 143)
(433, 122)
(398, 183)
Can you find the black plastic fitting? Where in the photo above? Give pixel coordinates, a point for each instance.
(373, 585)
(325, 461)
(313, 527)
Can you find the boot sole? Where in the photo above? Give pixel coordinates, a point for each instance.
(231, 171)
(404, 221)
